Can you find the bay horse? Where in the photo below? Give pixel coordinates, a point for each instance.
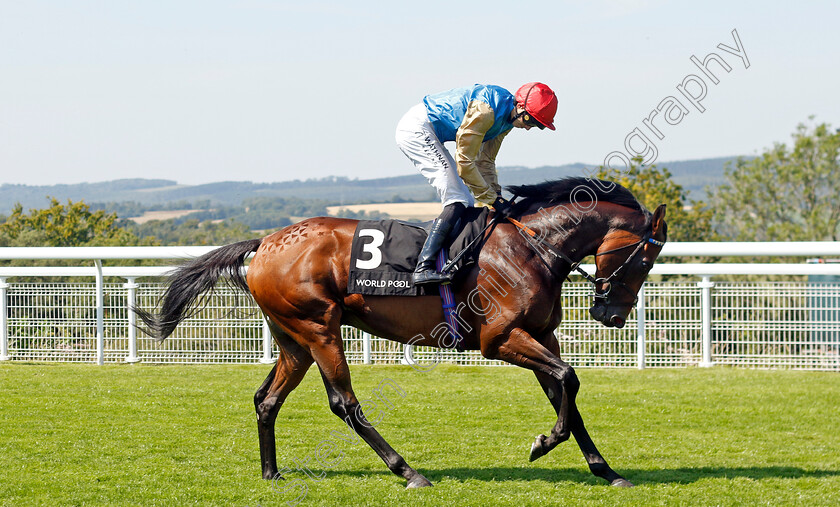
(299, 278)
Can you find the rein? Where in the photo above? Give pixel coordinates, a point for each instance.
(534, 238)
(493, 221)
(605, 295)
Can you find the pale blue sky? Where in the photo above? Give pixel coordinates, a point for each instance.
(205, 91)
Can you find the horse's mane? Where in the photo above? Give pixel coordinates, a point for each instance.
(565, 189)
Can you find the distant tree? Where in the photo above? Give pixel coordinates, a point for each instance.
(688, 220)
(258, 220)
(73, 224)
(362, 214)
(787, 193)
(192, 232)
(123, 209)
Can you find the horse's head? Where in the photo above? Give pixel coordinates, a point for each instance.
(623, 261)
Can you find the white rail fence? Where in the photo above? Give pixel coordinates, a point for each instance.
(702, 322)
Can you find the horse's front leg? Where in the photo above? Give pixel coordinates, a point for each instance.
(557, 378)
(561, 395)
(561, 385)
(597, 464)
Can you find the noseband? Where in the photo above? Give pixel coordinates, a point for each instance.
(603, 296)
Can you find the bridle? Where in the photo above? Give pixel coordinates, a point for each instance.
(533, 238)
(605, 295)
(609, 282)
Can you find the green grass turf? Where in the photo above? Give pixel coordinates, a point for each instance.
(186, 435)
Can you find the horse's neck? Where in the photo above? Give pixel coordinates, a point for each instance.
(575, 233)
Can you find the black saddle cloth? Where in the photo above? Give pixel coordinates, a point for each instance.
(384, 253)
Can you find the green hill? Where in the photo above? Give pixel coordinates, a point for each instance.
(693, 175)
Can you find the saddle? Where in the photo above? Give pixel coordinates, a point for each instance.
(384, 253)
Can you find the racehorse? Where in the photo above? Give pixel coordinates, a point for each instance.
(510, 302)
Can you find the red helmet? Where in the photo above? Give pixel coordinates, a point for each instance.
(539, 101)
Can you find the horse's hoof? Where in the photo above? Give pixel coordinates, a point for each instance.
(537, 450)
(418, 481)
(622, 483)
(273, 477)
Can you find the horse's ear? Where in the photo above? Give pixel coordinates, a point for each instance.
(658, 220)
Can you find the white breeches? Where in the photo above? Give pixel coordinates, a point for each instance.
(417, 139)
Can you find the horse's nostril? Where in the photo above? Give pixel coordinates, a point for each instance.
(617, 321)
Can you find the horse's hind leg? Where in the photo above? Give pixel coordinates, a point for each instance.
(344, 404)
(329, 356)
(551, 386)
(291, 366)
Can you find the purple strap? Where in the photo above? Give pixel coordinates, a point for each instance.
(449, 305)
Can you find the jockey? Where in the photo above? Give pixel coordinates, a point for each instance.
(477, 118)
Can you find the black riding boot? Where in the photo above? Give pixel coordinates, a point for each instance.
(426, 271)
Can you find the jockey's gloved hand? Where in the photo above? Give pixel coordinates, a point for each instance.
(502, 207)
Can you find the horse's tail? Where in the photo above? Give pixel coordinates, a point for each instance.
(193, 278)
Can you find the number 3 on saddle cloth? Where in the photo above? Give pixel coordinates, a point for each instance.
(384, 254)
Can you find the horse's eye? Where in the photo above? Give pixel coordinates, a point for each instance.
(645, 265)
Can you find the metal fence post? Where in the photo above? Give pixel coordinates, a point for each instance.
(366, 347)
(100, 314)
(4, 324)
(706, 320)
(267, 357)
(132, 319)
(640, 328)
